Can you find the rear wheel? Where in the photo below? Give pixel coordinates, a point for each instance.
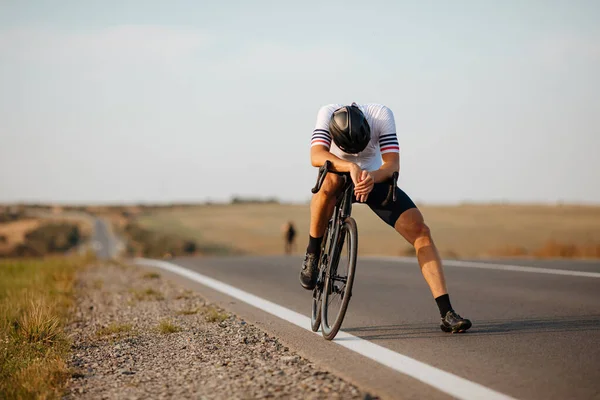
(339, 278)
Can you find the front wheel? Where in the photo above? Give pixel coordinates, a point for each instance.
(315, 315)
(339, 279)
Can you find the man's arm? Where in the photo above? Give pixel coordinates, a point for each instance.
(391, 164)
(321, 142)
(320, 154)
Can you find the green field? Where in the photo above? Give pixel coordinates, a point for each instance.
(459, 231)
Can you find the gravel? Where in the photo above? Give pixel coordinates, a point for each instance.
(136, 335)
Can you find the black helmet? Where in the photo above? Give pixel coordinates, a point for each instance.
(349, 129)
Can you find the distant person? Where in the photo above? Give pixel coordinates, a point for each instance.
(361, 139)
(289, 233)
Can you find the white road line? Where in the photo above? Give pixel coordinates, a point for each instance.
(481, 265)
(444, 381)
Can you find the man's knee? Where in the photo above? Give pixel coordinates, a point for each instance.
(421, 234)
(331, 186)
(412, 226)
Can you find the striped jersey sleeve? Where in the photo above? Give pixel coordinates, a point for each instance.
(388, 143)
(321, 137)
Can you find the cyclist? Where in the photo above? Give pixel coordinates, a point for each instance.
(361, 139)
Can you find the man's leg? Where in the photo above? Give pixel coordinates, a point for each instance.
(323, 203)
(412, 227)
(406, 218)
(321, 209)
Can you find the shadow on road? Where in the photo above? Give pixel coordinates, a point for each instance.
(586, 323)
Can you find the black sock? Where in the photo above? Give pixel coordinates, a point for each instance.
(314, 245)
(443, 303)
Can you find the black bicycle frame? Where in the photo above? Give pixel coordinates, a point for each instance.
(344, 202)
(342, 210)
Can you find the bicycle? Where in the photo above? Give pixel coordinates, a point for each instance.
(341, 229)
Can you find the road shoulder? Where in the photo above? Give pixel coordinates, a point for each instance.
(136, 334)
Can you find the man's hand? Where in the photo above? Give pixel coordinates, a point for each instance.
(355, 174)
(364, 187)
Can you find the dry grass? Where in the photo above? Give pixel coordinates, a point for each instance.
(190, 311)
(120, 264)
(151, 275)
(39, 324)
(147, 294)
(186, 294)
(214, 314)
(509, 251)
(551, 249)
(114, 329)
(459, 231)
(84, 223)
(31, 219)
(14, 232)
(119, 217)
(35, 296)
(166, 327)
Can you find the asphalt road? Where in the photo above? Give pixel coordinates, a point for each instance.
(534, 335)
(104, 242)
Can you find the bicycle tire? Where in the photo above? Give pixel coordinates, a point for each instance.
(315, 318)
(315, 315)
(348, 233)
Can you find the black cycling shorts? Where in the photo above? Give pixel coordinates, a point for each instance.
(392, 211)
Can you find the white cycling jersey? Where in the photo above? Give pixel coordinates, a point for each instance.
(383, 135)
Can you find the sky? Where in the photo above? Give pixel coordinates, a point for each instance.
(189, 101)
